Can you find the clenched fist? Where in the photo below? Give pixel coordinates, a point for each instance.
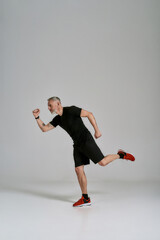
(97, 134)
(36, 112)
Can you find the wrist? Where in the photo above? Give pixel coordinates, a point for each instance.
(97, 130)
(36, 117)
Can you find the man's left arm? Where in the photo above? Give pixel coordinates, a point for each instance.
(85, 113)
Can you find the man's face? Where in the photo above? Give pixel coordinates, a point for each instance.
(53, 106)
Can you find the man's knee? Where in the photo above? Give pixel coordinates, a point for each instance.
(79, 169)
(101, 163)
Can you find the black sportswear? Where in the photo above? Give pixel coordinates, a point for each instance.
(72, 123)
(84, 145)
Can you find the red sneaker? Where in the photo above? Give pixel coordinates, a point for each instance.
(82, 202)
(127, 156)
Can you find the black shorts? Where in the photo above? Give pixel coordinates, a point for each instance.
(88, 150)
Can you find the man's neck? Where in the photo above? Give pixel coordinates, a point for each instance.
(61, 113)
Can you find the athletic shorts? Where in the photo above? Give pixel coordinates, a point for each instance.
(88, 150)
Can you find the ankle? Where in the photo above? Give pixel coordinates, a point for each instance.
(121, 155)
(85, 195)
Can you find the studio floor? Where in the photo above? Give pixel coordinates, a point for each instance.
(119, 210)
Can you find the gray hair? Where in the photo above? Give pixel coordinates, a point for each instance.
(54, 99)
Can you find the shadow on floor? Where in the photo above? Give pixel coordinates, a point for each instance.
(64, 198)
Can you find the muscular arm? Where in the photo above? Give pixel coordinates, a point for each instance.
(44, 127)
(92, 120)
(85, 113)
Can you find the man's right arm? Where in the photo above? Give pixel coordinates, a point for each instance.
(44, 127)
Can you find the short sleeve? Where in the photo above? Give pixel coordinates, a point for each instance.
(76, 110)
(55, 121)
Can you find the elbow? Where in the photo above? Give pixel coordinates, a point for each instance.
(90, 114)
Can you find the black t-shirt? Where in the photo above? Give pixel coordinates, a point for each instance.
(72, 123)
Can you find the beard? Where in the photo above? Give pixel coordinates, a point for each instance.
(54, 112)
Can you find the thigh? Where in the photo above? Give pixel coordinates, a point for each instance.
(79, 157)
(91, 150)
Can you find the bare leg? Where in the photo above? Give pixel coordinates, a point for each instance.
(81, 178)
(109, 158)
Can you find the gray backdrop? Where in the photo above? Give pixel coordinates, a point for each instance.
(100, 55)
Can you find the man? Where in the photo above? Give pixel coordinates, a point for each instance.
(84, 145)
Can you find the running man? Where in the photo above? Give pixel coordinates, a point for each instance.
(84, 145)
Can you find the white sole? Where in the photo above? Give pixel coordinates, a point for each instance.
(84, 204)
